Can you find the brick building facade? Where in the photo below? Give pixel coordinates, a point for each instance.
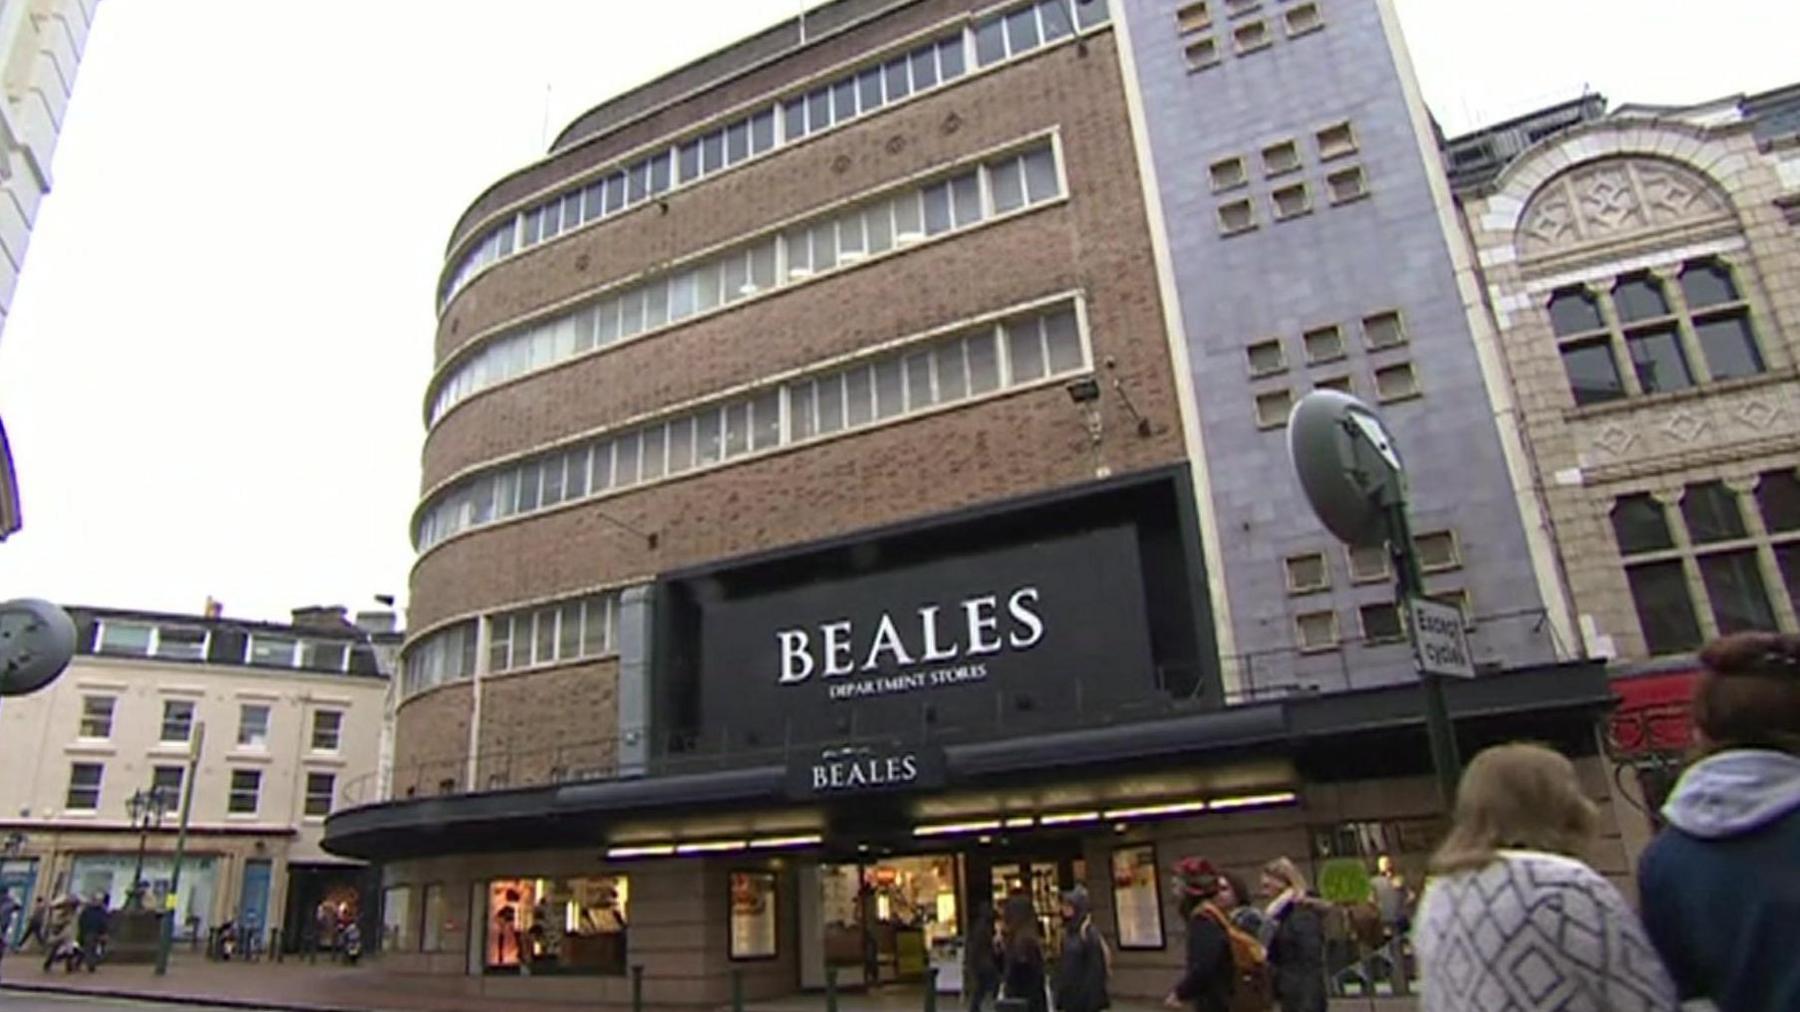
(854, 492)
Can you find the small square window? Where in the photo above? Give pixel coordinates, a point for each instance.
(1335, 141)
(1369, 564)
(1281, 157)
(1266, 357)
(1437, 551)
(1228, 173)
(1341, 384)
(1460, 599)
(1307, 573)
(1272, 408)
(1381, 623)
(1237, 216)
(1323, 344)
(1193, 17)
(1383, 330)
(1396, 382)
(1347, 184)
(1303, 18)
(1202, 53)
(1250, 37)
(1291, 201)
(1316, 631)
(1239, 8)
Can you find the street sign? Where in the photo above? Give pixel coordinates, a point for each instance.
(1439, 646)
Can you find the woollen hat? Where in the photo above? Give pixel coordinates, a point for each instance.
(1197, 877)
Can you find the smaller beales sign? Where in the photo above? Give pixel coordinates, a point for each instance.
(1051, 625)
(1439, 644)
(861, 769)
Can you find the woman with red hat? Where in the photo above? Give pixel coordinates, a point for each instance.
(1207, 984)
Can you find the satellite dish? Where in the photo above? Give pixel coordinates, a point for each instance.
(1348, 465)
(37, 639)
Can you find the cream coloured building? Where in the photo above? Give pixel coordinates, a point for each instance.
(1642, 268)
(286, 721)
(40, 46)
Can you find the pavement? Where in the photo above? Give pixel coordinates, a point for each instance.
(288, 986)
(194, 982)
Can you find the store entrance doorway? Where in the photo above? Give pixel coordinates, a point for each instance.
(882, 923)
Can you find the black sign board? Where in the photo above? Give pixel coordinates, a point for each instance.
(1047, 626)
(863, 769)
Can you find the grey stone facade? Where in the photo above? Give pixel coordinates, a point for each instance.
(1324, 254)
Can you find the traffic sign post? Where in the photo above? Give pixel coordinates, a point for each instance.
(1351, 472)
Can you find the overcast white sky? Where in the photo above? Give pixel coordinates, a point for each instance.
(213, 371)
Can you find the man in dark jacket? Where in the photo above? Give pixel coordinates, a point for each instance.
(1721, 895)
(1207, 983)
(1081, 974)
(90, 931)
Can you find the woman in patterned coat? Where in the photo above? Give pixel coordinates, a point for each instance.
(1512, 919)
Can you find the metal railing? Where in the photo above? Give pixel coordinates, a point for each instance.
(1259, 677)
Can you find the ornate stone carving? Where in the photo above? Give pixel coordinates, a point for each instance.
(1615, 439)
(1757, 414)
(1684, 426)
(1612, 199)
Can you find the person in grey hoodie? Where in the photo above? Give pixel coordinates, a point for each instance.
(1721, 884)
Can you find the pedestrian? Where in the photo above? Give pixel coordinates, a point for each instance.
(1721, 884)
(90, 931)
(1235, 899)
(1511, 918)
(324, 924)
(9, 912)
(981, 958)
(1207, 982)
(1022, 977)
(1293, 932)
(35, 924)
(350, 941)
(1086, 963)
(60, 931)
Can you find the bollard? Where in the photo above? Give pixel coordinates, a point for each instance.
(931, 976)
(737, 990)
(275, 943)
(637, 988)
(831, 989)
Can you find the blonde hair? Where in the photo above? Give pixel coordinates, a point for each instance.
(1287, 872)
(1516, 796)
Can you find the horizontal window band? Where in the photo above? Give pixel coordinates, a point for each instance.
(938, 370)
(922, 64)
(1012, 179)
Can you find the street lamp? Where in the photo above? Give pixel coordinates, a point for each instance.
(146, 809)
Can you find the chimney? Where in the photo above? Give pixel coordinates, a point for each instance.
(214, 609)
(376, 622)
(324, 618)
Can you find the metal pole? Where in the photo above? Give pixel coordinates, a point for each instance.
(931, 997)
(831, 1002)
(187, 807)
(737, 990)
(137, 872)
(637, 988)
(1409, 582)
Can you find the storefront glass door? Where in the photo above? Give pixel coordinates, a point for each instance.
(1043, 880)
(886, 922)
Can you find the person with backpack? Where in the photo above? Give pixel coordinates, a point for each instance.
(1086, 962)
(1209, 983)
(1293, 933)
